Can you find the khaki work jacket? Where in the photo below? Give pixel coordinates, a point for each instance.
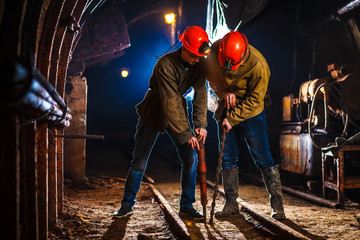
(249, 83)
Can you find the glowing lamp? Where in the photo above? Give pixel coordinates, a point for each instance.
(170, 18)
(124, 73)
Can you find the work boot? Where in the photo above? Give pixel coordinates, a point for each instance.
(272, 182)
(230, 178)
(190, 213)
(124, 211)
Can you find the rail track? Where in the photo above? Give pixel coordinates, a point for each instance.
(249, 224)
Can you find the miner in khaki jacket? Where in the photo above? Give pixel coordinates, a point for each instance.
(164, 108)
(239, 76)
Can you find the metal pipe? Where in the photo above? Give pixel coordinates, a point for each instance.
(311, 198)
(326, 111)
(38, 99)
(306, 196)
(348, 7)
(33, 95)
(328, 15)
(79, 136)
(51, 90)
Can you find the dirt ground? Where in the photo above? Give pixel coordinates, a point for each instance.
(315, 222)
(88, 213)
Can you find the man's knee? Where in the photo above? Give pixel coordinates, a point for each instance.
(187, 156)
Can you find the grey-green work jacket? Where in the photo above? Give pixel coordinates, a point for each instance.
(164, 104)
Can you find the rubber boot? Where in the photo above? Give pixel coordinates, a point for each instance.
(230, 178)
(272, 182)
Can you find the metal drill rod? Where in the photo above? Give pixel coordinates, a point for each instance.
(204, 213)
(218, 171)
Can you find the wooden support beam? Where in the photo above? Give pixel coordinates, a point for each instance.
(56, 143)
(9, 177)
(29, 192)
(60, 171)
(75, 149)
(52, 179)
(51, 23)
(42, 159)
(64, 60)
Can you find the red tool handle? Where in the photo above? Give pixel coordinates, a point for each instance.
(202, 173)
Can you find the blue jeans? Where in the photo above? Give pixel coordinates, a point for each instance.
(254, 132)
(145, 138)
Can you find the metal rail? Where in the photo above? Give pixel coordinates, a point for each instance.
(303, 195)
(280, 229)
(180, 230)
(176, 225)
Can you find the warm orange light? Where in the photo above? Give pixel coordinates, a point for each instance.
(124, 73)
(170, 18)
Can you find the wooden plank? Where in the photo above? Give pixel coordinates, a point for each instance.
(352, 182)
(330, 185)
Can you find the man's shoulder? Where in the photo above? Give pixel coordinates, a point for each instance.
(170, 57)
(255, 53)
(256, 57)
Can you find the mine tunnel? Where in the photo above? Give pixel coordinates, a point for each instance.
(73, 72)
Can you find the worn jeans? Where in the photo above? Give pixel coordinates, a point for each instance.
(145, 138)
(254, 132)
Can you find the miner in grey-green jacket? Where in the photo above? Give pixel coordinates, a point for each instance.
(164, 108)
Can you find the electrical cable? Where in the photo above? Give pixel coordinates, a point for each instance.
(158, 57)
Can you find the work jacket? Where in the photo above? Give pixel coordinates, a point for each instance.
(249, 83)
(164, 104)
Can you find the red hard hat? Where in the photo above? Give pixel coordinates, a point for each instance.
(196, 40)
(232, 50)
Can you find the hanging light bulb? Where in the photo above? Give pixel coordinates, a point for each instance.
(124, 73)
(169, 18)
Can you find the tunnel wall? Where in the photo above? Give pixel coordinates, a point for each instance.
(41, 33)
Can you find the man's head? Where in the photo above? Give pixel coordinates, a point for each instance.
(195, 44)
(232, 50)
